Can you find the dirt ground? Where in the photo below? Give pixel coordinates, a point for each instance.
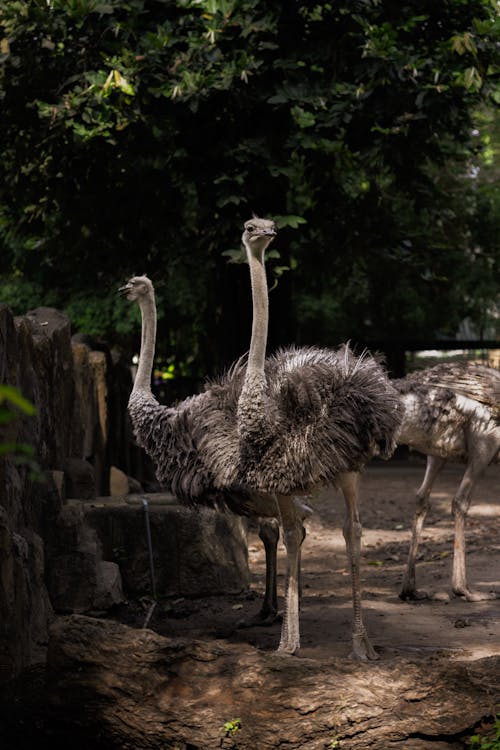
(420, 635)
(450, 625)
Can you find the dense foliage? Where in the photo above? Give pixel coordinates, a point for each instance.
(138, 135)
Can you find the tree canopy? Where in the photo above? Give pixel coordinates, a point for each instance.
(138, 135)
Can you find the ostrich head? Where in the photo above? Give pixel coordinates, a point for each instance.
(136, 288)
(258, 234)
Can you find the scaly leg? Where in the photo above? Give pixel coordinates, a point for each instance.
(293, 534)
(349, 484)
(269, 530)
(482, 448)
(432, 469)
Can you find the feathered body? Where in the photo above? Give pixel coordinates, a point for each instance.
(331, 413)
(270, 429)
(171, 435)
(451, 413)
(327, 412)
(443, 403)
(174, 438)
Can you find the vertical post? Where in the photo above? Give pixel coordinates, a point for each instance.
(150, 548)
(151, 562)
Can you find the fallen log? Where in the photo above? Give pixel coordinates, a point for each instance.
(140, 690)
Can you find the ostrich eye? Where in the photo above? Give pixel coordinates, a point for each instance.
(250, 228)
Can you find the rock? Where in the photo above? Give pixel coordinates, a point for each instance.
(120, 484)
(134, 486)
(80, 479)
(80, 428)
(98, 363)
(85, 417)
(196, 551)
(146, 691)
(59, 484)
(78, 579)
(24, 599)
(109, 590)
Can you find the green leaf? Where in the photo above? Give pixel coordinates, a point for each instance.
(303, 118)
(12, 395)
(235, 256)
(289, 221)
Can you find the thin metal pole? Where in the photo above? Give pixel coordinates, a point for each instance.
(151, 562)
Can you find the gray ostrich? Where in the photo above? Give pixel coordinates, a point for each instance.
(171, 436)
(309, 417)
(209, 447)
(451, 413)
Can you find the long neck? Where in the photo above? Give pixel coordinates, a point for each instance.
(258, 342)
(255, 422)
(142, 380)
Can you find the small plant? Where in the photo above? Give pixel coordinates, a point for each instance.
(333, 744)
(232, 727)
(13, 405)
(491, 741)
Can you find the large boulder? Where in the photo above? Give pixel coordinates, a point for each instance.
(69, 385)
(25, 608)
(78, 578)
(145, 691)
(195, 552)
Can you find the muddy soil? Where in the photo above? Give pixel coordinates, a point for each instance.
(449, 625)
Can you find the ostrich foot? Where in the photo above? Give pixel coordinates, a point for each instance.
(362, 649)
(261, 619)
(475, 596)
(287, 649)
(414, 595)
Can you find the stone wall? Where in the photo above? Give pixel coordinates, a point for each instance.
(80, 427)
(58, 529)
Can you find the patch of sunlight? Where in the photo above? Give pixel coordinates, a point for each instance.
(487, 585)
(478, 652)
(484, 510)
(438, 353)
(376, 537)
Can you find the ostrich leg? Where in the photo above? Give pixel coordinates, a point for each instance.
(293, 535)
(349, 484)
(269, 531)
(481, 451)
(432, 469)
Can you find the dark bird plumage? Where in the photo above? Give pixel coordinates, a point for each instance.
(327, 412)
(308, 418)
(332, 413)
(174, 438)
(270, 429)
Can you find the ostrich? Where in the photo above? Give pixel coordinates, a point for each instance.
(171, 436)
(208, 448)
(309, 417)
(451, 413)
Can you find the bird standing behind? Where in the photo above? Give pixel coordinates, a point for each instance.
(451, 413)
(182, 440)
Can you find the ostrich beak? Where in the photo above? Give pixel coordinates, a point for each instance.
(124, 289)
